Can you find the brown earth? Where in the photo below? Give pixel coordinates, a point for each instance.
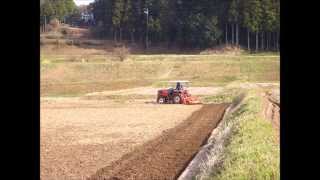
(166, 156)
(78, 137)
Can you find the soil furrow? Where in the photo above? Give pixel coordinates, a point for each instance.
(166, 156)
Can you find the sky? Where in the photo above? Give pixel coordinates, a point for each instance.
(83, 2)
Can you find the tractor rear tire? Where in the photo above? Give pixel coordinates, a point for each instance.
(176, 99)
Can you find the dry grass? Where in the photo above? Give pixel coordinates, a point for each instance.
(71, 50)
(121, 53)
(80, 136)
(81, 88)
(225, 49)
(77, 70)
(57, 77)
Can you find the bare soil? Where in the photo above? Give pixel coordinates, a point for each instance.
(78, 137)
(166, 156)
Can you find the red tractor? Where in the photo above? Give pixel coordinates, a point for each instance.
(177, 95)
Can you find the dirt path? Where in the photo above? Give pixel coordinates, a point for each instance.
(166, 156)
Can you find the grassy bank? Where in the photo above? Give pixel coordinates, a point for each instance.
(226, 96)
(251, 152)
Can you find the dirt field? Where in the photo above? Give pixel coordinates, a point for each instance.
(99, 118)
(78, 136)
(166, 156)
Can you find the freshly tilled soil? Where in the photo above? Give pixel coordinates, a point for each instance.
(78, 136)
(166, 156)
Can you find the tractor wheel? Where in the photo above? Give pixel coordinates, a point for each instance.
(176, 99)
(161, 100)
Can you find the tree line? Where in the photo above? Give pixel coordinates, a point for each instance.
(60, 9)
(254, 24)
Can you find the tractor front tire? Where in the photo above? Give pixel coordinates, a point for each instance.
(161, 100)
(176, 99)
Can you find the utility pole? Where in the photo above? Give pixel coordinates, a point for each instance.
(146, 11)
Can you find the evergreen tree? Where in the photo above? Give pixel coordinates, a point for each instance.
(70, 6)
(46, 9)
(233, 18)
(191, 23)
(252, 18)
(57, 8)
(268, 18)
(117, 11)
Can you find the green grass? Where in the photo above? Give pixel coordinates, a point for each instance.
(226, 96)
(164, 57)
(184, 58)
(120, 98)
(268, 53)
(252, 151)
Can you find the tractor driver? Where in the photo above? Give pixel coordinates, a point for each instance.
(179, 86)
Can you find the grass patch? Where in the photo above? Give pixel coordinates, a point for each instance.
(267, 53)
(71, 89)
(120, 98)
(201, 70)
(226, 96)
(194, 83)
(252, 152)
(185, 58)
(45, 61)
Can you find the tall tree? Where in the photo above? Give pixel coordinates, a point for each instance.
(70, 6)
(268, 18)
(190, 23)
(277, 21)
(252, 19)
(117, 11)
(46, 9)
(233, 18)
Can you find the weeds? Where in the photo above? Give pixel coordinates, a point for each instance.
(121, 53)
(227, 96)
(251, 152)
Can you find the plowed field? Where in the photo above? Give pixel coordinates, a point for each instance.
(78, 137)
(166, 156)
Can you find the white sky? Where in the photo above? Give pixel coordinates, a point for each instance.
(83, 2)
